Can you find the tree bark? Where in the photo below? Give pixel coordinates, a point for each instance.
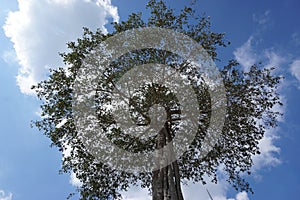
(166, 181)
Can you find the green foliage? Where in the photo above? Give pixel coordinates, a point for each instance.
(251, 97)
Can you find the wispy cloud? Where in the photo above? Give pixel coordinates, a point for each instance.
(245, 54)
(296, 39)
(262, 19)
(295, 69)
(41, 28)
(274, 59)
(10, 57)
(4, 196)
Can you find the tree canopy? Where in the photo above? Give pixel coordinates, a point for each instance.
(250, 100)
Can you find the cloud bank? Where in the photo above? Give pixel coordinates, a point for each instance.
(40, 29)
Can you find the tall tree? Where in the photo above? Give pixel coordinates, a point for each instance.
(251, 97)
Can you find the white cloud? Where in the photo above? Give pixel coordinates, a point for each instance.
(136, 193)
(4, 196)
(74, 180)
(295, 69)
(242, 196)
(269, 152)
(245, 55)
(41, 28)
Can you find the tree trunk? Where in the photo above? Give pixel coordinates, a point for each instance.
(166, 181)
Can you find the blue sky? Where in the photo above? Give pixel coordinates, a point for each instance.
(34, 31)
